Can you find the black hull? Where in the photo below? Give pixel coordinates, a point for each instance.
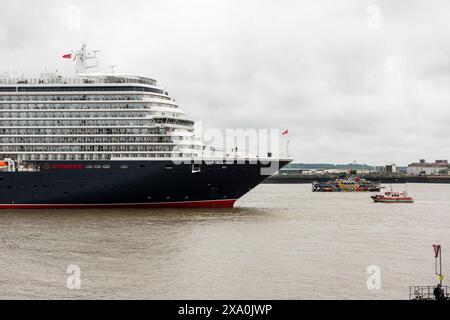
(130, 184)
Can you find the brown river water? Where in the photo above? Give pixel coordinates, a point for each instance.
(280, 242)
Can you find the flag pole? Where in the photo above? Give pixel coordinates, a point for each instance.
(288, 142)
(438, 255)
(286, 133)
(440, 265)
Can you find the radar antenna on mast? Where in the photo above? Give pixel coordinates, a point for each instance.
(82, 57)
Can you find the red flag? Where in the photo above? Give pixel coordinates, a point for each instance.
(437, 249)
(285, 133)
(67, 56)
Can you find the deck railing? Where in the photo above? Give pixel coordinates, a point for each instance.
(426, 292)
(78, 81)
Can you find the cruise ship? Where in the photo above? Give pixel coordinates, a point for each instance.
(107, 140)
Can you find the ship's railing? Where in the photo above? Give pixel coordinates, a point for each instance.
(220, 154)
(426, 292)
(78, 81)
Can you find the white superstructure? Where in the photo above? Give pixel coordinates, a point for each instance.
(92, 117)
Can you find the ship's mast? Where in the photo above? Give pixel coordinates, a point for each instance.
(82, 57)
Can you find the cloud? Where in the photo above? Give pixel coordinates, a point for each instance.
(346, 91)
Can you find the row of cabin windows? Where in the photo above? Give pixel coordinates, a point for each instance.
(122, 122)
(123, 166)
(108, 113)
(87, 140)
(98, 166)
(75, 123)
(95, 157)
(83, 131)
(86, 106)
(82, 89)
(90, 148)
(72, 97)
(77, 114)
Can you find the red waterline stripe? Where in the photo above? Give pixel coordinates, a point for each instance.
(185, 204)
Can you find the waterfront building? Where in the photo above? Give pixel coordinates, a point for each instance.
(439, 167)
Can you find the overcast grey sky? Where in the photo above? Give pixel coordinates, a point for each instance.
(352, 80)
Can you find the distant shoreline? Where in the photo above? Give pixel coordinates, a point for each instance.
(306, 179)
